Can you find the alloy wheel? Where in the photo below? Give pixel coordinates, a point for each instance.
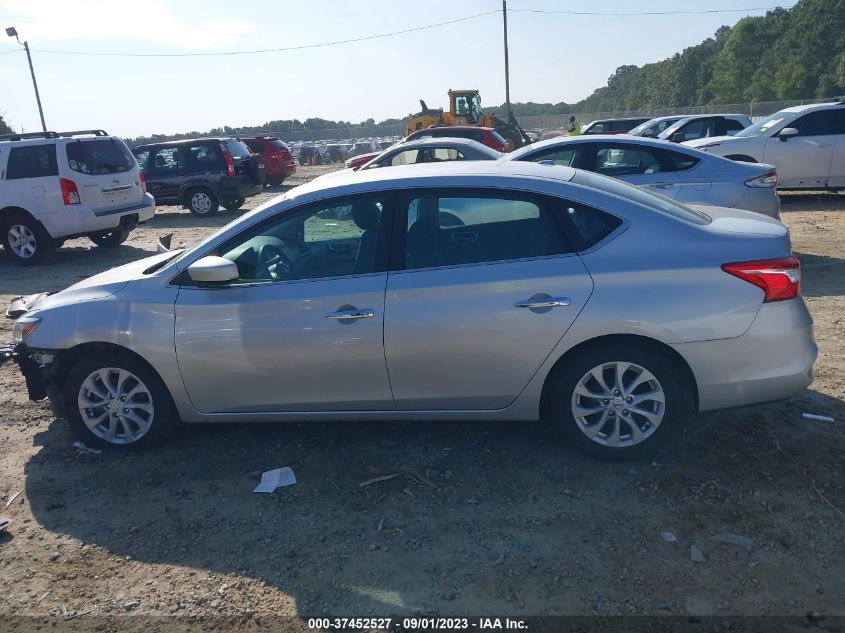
(22, 241)
(116, 405)
(618, 404)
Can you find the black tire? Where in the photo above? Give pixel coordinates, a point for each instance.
(741, 158)
(237, 203)
(676, 392)
(165, 420)
(276, 182)
(24, 239)
(201, 202)
(109, 239)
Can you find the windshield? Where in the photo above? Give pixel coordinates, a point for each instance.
(656, 126)
(642, 196)
(765, 125)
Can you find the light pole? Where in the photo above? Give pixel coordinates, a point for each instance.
(507, 70)
(12, 32)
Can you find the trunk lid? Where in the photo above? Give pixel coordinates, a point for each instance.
(744, 235)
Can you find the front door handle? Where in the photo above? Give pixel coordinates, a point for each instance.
(663, 185)
(543, 302)
(364, 313)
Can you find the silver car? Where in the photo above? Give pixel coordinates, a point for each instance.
(432, 150)
(685, 174)
(468, 291)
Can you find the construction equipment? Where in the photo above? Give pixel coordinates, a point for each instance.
(465, 109)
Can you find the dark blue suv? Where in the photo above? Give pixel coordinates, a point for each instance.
(202, 174)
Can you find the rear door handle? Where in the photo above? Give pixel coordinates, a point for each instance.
(364, 313)
(543, 302)
(663, 185)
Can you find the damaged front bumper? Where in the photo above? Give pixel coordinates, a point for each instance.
(37, 370)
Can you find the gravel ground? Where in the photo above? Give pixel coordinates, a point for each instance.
(481, 518)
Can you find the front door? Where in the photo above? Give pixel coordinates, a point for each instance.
(803, 160)
(486, 288)
(301, 329)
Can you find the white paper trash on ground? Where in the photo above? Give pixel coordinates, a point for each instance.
(276, 478)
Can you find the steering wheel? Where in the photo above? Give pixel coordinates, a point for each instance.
(273, 263)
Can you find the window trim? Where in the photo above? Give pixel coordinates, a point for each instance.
(400, 222)
(380, 263)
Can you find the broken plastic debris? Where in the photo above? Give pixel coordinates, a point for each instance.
(4, 523)
(86, 449)
(817, 418)
(669, 537)
(276, 478)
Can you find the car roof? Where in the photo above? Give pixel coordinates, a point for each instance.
(453, 127)
(811, 106)
(597, 138)
(624, 118)
(435, 174)
(440, 140)
(693, 117)
(183, 141)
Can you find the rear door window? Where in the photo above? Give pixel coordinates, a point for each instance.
(206, 155)
(456, 229)
(623, 160)
(99, 156)
(32, 161)
(568, 155)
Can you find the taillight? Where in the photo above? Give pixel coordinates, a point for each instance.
(70, 194)
(769, 179)
(230, 164)
(780, 279)
(143, 179)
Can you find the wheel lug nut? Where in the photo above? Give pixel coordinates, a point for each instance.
(605, 401)
(612, 413)
(625, 412)
(629, 399)
(616, 392)
(127, 411)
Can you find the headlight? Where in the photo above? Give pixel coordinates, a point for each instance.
(23, 328)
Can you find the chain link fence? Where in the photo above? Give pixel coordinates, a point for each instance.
(545, 126)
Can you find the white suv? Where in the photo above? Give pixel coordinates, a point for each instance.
(55, 186)
(806, 144)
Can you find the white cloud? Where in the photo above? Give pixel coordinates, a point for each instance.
(45, 20)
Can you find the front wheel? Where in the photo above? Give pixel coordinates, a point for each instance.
(114, 401)
(25, 239)
(202, 202)
(619, 402)
(112, 238)
(231, 205)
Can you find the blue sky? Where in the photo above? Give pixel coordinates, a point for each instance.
(553, 57)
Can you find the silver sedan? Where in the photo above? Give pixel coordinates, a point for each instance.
(499, 290)
(678, 172)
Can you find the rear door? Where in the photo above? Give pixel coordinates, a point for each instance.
(482, 287)
(105, 172)
(837, 163)
(637, 164)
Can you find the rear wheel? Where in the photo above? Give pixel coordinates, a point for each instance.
(276, 181)
(107, 239)
(619, 401)
(202, 202)
(237, 203)
(25, 239)
(114, 401)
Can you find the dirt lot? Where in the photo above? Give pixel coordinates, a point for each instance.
(507, 520)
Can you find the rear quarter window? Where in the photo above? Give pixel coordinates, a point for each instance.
(32, 161)
(99, 156)
(590, 225)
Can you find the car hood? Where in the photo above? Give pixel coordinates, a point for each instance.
(99, 286)
(714, 140)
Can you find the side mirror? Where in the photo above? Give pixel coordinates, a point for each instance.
(213, 269)
(678, 137)
(786, 132)
(649, 133)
